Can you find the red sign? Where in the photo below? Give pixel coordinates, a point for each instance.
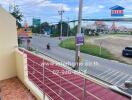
(117, 12)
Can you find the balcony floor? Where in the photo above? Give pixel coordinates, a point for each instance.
(13, 89)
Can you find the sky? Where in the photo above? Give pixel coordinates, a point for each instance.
(47, 10)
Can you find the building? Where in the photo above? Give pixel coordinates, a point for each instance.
(123, 29)
(113, 28)
(98, 27)
(101, 26)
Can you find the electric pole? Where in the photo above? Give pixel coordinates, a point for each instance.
(61, 12)
(68, 27)
(10, 7)
(77, 56)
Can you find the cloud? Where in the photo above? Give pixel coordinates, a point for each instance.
(128, 16)
(91, 9)
(128, 0)
(128, 8)
(56, 6)
(4, 2)
(39, 3)
(101, 6)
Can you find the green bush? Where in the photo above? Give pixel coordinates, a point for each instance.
(88, 48)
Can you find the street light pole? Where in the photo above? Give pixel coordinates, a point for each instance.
(61, 29)
(77, 56)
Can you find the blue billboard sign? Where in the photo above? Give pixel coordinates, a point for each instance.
(117, 11)
(36, 22)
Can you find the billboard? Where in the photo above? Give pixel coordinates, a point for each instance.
(117, 11)
(36, 22)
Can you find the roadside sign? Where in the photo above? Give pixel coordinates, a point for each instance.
(80, 39)
(36, 22)
(117, 11)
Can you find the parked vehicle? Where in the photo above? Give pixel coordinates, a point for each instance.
(128, 84)
(127, 52)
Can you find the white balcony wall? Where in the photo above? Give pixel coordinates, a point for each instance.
(8, 42)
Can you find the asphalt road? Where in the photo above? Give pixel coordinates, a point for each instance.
(110, 71)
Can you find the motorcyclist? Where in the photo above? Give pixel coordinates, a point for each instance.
(48, 46)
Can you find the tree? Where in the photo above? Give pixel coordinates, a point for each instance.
(45, 27)
(74, 30)
(18, 15)
(39, 29)
(36, 29)
(55, 29)
(65, 27)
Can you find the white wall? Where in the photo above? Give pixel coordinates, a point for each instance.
(22, 74)
(8, 42)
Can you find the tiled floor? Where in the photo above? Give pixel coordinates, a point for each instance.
(13, 89)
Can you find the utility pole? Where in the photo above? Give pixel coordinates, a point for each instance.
(68, 27)
(77, 56)
(10, 7)
(14, 6)
(61, 12)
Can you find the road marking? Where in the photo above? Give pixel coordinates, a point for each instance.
(130, 79)
(109, 74)
(104, 72)
(122, 85)
(117, 82)
(106, 75)
(109, 78)
(121, 75)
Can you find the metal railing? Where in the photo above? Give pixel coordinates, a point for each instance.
(33, 71)
(52, 81)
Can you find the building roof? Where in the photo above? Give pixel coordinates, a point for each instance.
(98, 23)
(117, 7)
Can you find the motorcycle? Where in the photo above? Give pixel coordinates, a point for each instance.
(48, 46)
